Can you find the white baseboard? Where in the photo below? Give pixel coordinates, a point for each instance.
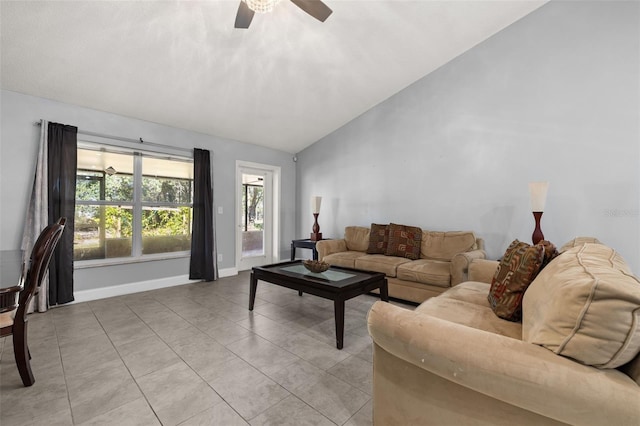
(228, 272)
(137, 287)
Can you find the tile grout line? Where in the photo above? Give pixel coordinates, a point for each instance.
(228, 404)
(265, 374)
(125, 365)
(180, 357)
(64, 374)
(188, 365)
(197, 298)
(323, 370)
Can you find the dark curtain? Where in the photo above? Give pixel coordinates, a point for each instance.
(202, 264)
(62, 163)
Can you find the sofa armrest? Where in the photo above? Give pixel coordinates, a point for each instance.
(482, 270)
(327, 247)
(519, 373)
(460, 265)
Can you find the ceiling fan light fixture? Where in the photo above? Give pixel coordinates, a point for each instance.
(261, 6)
(248, 8)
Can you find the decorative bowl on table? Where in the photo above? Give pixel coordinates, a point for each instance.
(316, 266)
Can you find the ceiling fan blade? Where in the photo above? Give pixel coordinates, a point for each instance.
(244, 16)
(315, 8)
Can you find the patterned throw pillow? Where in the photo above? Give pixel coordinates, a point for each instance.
(550, 253)
(404, 241)
(378, 239)
(517, 268)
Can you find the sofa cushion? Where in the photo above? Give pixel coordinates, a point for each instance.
(378, 239)
(467, 304)
(346, 259)
(585, 305)
(516, 270)
(427, 271)
(357, 238)
(380, 263)
(578, 241)
(445, 245)
(404, 241)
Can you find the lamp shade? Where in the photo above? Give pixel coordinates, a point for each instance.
(538, 194)
(315, 204)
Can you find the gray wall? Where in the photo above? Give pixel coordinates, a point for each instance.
(18, 148)
(553, 97)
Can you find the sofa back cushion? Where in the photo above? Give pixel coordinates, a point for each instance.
(445, 245)
(578, 241)
(585, 305)
(378, 239)
(357, 238)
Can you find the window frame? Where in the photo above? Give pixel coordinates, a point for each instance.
(136, 204)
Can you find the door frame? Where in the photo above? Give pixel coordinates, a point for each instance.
(273, 201)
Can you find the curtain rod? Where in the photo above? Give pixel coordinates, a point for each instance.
(130, 140)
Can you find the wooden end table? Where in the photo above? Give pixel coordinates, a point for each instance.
(305, 243)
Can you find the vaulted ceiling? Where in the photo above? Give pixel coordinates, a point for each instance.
(285, 82)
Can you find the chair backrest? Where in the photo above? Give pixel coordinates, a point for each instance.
(39, 263)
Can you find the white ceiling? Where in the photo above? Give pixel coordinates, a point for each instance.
(284, 83)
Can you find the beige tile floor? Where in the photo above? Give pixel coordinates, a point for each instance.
(194, 355)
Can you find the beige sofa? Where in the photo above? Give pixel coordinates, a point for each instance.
(443, 263)
(452, 361)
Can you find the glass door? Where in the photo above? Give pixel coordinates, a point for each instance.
(254, 218)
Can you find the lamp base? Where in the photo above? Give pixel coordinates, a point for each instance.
(316, 236)
(537, 232)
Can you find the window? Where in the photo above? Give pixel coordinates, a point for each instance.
(131, 204)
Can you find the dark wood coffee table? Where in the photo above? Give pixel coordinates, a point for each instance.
(337, 284)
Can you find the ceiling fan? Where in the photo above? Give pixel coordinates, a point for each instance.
(247, 9)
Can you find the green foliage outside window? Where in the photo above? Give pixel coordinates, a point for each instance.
(174, 221)
(252, 200)
(118, 222)
(104, 231)
(168, 190)
(119, 188)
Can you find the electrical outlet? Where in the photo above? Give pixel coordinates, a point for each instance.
(219, 257)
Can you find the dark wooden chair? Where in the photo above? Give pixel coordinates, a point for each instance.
(14, 301)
